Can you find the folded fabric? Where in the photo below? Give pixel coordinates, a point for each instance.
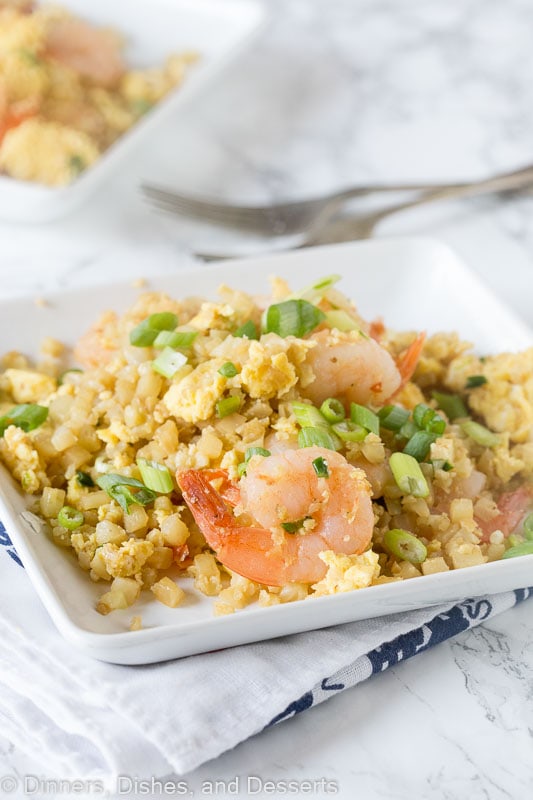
(86, 719)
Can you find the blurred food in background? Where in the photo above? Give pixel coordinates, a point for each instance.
(66, 92)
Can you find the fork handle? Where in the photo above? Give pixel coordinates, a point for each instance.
(346, 229)
(505, 181)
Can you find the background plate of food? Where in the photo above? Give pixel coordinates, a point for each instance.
(269, 459)
(81, 85)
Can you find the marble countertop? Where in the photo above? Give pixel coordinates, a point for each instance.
(335, 93)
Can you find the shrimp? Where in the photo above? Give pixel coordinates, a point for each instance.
(513, 508)
(357, 370)
(333, 513)
(94, 54)
(98, 346)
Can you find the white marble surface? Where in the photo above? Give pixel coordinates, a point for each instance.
(339, 92)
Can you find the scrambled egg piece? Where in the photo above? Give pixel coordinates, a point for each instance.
(23, 460)
(194, 397)
(505, 401)
(128, 559)
(29, 386)
(347, 572)
(46, 152)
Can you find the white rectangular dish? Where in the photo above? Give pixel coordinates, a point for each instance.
(412, 284)
(152, 30)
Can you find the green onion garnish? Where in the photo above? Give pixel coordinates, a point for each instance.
(439, 463)
(341, 321)
(27, 416)
(256, 451)
(175, 338)
(84, 479)
(333, 410)
(528, 527)
(480, 434)
(427, 419)
(61, 378)
(168, 362)
(145, 333)
(408, 475)
(155, 476)
(522, 549)
(247, 331)
(119, 488)
(241, 469)
(418, 445)
(228, 370)
(141, 106)
(70, 518)
(292, 527)
(348, 431)
(393, 417)
(227, 406)
(76, 164)
(473, 381)
(407, 430)
(363, 416)
(317, 290)
(451, 404)
(405, 545)
(320, 466)
(318, 437)
(307, 416)
(292, 318)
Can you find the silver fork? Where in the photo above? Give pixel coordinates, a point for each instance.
(307, 217)
(362, 226)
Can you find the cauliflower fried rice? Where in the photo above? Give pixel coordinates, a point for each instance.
(145, 457)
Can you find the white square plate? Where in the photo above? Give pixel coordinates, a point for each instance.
(152, 29)
(413, 284)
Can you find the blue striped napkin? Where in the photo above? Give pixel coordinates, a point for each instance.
(84, 718)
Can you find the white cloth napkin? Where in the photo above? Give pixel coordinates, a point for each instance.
(86, 719)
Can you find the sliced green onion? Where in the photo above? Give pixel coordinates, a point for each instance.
(408, 475)
(168, 362)
(317, 290)
(522, 549)
(451, 404)
(440, 463)
(61, 378)
(248, 331)
(480, 434)
(418, 445)
(227, 406)
(118, 487)
(27, 416)
(318, 437)
(155, 476)
(241, 469)
(405, 545)
(348, 431)
(293, 527)
(228, 370)
(77, 164)
(256, 451)
(393, 417)
(292, 318)
(427, 419)
(70, 518)
(363, 416)
(341, 320)
(473, 381)
(175, 338)
(333, 410)
(307, 416)
(145, 333)
(407, 430)
(528, 527)
(84, 479)
(320, 466)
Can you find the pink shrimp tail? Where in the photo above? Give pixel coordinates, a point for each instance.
(409, 359)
